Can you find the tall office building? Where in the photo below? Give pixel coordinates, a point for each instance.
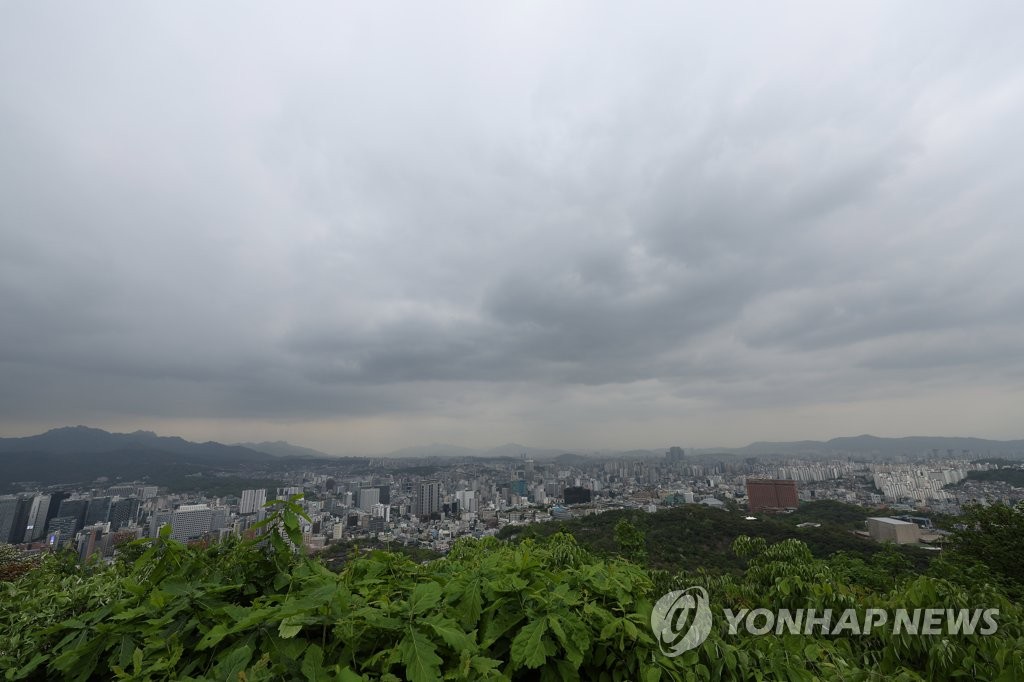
(76, 509)
(60, 530)
(158, 520)
(191, 521)
(14, 511)
(428, 498)
(219, 518)
(37, 518)
(55, 499)
(368, 497)
(98, 511)
(124, 512)
(381, 511)
(252, 501)
(765, 494)
(89, 541)
(467, 501)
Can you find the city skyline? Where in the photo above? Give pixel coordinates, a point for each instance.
(585, 226)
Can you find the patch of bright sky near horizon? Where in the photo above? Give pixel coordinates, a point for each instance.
(582, 225)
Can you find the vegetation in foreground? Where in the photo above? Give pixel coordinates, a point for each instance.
(544, 609)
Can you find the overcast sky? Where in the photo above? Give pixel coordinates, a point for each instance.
(361, 226)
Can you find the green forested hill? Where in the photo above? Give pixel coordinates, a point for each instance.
(694, 536)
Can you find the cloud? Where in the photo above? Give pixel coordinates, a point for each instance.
(511, 219)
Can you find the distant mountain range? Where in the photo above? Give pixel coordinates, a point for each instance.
(280, 448)
(85, 440)
(79, 454)
(443, 450)
(910, 446)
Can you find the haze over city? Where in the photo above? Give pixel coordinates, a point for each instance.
(359, 228)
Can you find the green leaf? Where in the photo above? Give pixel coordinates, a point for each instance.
(288, 628)
(418, 655)
(26, 669)
(232, 663)
(470, 602)
(312, 664)
(213, 637)
(484, 665)
(527, 647)
(424, 597)
(452, 635)
(652, 674)
(124, 656)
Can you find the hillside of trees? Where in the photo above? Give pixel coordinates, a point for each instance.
(693, 536)
(538, 608)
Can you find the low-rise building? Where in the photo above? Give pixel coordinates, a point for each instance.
(885, 529)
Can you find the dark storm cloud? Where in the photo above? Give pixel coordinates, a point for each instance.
(252, 213)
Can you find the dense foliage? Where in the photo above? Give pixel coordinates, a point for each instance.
(694, 536)
(544, 609)
(993, 538)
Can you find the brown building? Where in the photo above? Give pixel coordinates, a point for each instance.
(767, 494)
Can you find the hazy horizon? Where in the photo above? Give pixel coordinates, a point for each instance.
(581, 225)
(481, 447)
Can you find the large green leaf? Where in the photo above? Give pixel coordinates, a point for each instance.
(528, 646)
(232, 663)
(419, 656)
(313, 664)
(424, 597)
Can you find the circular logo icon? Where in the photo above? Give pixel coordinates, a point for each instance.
(681, 620)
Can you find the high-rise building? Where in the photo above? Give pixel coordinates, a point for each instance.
(675, 454)
(89, 541)
(252, 501)
(124, 512)
(428, 498)
(76, 509)
(61, 529)
(220, 518)
(14, 512)
(285, 493)
(368, 497)
(98, 511)
(158, 520)
(36, 527)
(575, 494)
(769, 494)
(55, 499)
(467, 501)
(381, 511)
(191, 521)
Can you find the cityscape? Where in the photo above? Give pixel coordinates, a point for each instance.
(431, 502)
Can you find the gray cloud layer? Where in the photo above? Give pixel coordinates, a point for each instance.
(587, 224)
